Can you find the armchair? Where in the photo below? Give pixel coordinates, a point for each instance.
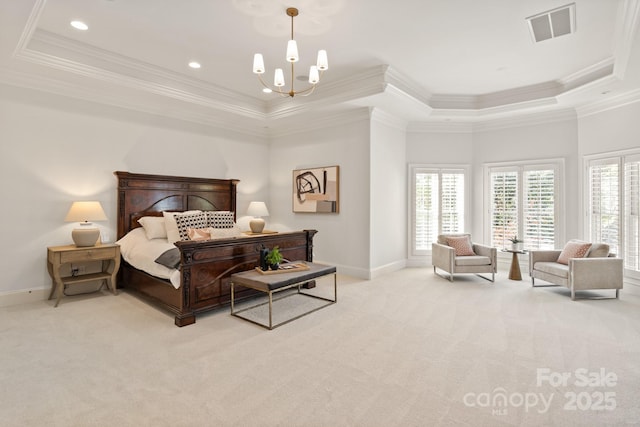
(456, 253)
(595, 268)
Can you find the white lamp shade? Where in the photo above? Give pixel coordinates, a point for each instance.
(292, 51)
(258, 63)
(278, 79)
(257, 209)
(323, 62)
(85, 212)
(314, 77)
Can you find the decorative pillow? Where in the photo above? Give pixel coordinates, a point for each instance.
(169, 258)
(461, 244)
(153, 227)
(220, 219)
(225, 233)
(598, 250)
(189, 220)
(170, 224)
(573, 250)
(198, 234)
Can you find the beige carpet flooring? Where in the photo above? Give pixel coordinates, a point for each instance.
(406, 349)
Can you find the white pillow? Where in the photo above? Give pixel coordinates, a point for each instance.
(225, 233)
(173, 235)
(153, 227)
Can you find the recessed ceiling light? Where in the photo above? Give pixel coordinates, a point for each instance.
(194, 64)
(79, 25)
(267, 90)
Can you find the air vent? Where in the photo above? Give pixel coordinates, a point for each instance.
(553, 23)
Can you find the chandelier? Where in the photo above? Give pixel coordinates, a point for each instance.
(315, 71)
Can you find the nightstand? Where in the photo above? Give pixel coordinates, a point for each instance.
(57, 256)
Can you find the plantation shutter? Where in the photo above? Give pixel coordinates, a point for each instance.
(604, 203)
(504, 206)
(539, 209)
(452, 202)
(438, 205)
(426, 209)
(632, 213)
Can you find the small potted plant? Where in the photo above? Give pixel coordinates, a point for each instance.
(516, 244)
(274, 258)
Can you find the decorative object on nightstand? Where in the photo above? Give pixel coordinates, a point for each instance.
(57, 256)
(257, 210)
(84, 212)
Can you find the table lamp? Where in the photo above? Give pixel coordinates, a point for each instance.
(257, 210)
(84, 212)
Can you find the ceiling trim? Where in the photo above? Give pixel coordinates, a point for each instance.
(609, 103)
(626, 28)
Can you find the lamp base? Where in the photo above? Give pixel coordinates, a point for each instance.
(83, 237)
(256, 225)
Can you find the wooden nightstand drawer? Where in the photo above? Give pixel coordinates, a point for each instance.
(92, 254)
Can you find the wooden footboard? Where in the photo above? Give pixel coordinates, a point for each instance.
(206, 266)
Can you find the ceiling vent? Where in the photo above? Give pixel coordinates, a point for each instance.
(553, 23)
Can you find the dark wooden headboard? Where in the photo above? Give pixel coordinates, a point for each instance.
(146, 195)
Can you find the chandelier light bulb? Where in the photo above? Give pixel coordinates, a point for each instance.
(314, 76)
(278, 79)
(258, 63)
(323, 63)
(292, 51)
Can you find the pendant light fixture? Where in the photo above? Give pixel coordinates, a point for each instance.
(315, 71)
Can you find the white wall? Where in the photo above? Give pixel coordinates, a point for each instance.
(55, 150)
(616, 129)
(343, 238)
(388, 177)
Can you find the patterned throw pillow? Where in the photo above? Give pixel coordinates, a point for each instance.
(462, 245)
(573, 250)
(220, 219)
(191, 220)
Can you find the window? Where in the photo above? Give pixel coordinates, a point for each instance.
(524, 202)
(604, 203)
(632, 213)
(614, 206)
(439, 203)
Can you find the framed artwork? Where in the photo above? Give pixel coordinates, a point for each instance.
(316, 190)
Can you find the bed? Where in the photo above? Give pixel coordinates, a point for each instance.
(205, 266)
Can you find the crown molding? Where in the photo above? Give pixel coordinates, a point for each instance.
(443, 126)
(611, 103)
(531, 119)
(318, 122)
(96, 96)
(626, 29)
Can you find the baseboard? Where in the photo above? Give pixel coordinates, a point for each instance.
(25, 296)
(389, 268)
(358, 273)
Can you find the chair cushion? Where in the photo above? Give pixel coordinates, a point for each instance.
(573, 249)
(462, 245)
(560, 270)
(472, 260)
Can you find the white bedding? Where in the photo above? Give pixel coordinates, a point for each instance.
(141, 252)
